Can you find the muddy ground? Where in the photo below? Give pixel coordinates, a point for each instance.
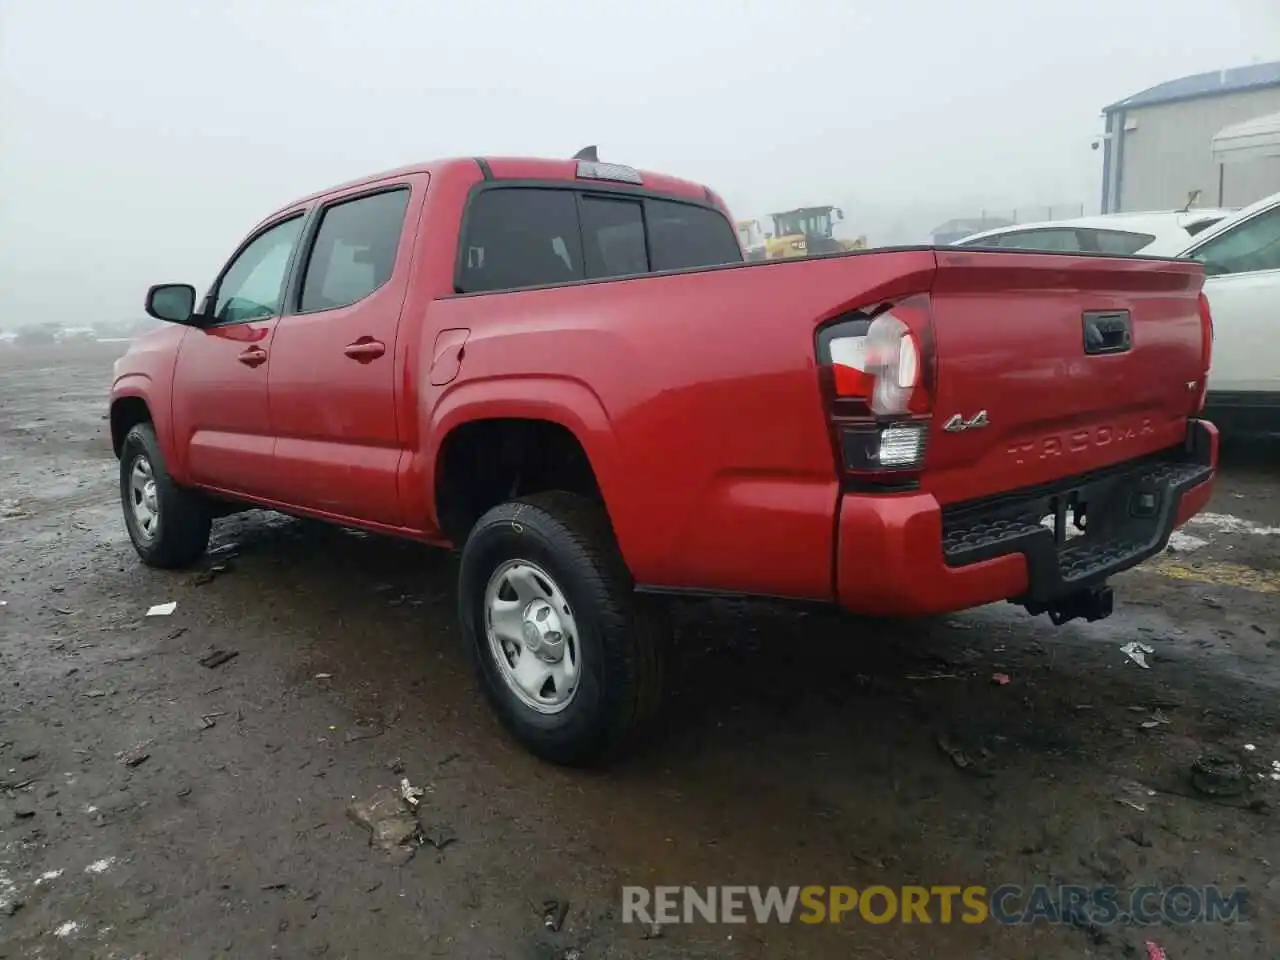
(800, 748)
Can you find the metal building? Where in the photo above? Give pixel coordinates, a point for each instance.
(1158, 143)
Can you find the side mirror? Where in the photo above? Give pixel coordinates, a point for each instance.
(172, 302)
(839, 214)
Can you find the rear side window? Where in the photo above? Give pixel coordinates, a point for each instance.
(682, 236)
(354, 251)
(1053, 240)
(1120, 243)
(520, 237)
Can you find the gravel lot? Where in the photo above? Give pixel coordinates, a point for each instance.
(800, 749)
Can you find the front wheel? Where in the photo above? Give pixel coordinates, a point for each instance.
(168, 524)
(570, 659)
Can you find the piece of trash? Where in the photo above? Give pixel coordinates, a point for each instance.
(324, 676)
(163, 609)
(210, 720)
(1217, 775)
(1000, 679)
(961, 759)
(135, 754)
(392, 826)
(932, 676)
(100, 866)
(1138, 653)
(1129, 803)
(410, 794)
(439, 835)
(553, 914)
(1211, 603)
(1250, 747)
(216, 657)
(1155, 951)
(273, 886)
(1158, 719)
(365, 730)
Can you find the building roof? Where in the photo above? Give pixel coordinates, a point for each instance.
(1212, 84)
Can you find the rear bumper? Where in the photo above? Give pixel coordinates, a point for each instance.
(908, 556)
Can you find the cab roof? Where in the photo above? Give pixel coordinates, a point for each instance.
(516, 168)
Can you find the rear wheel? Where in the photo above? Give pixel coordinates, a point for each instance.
(168, 524)
(570, 659)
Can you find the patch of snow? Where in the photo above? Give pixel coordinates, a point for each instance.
(100, 866)
(47, 876)
(1226, 523)
(1180, 542)
(66, 929)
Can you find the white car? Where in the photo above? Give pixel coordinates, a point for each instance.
(1241, 257)
(1120, 234)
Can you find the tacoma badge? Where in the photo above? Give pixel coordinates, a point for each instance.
(958, 424)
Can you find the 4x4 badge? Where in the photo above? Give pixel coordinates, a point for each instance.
(958, 424)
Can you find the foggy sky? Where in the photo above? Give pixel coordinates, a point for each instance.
(140, 140)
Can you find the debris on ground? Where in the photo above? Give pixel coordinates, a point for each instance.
(365, 729)
(439, 835)
(217, 657)
(1000, 679)
(961, 759)
(932, 676)
(211, 574)
(163, 609)
(553, 914)
(1217, 775)
(1155, 951)
(324, 676)
(1138, 653)
(652, 931)
(136, 754)
(24, 810)
(392, 826)
(1158, 719)
(396, 766)
(409, 793)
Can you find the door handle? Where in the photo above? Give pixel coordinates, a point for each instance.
(365, 349)
(253, 357)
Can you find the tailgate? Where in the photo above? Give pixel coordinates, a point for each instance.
(1050, 366)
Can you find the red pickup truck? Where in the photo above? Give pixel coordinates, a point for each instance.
(565, 369)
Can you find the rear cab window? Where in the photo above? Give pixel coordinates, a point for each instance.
(527, 236)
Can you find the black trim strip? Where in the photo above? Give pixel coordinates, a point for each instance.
(485, 170)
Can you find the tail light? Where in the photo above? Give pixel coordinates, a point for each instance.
(878, 375)
(1206, 349)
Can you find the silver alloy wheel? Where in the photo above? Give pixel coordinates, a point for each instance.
(142, 498)
(533, 637)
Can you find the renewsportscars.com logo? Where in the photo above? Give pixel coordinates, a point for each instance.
(1007, 904)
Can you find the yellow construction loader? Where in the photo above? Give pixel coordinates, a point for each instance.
(806, 231)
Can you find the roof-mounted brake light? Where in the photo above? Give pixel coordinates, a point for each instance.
(595, 170)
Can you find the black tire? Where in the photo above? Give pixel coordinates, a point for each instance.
(181, 536)
(621, 637)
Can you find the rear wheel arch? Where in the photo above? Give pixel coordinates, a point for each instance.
(486, 461)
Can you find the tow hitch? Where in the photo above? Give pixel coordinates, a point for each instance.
(1094, 603)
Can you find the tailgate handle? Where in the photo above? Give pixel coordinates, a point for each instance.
(1107, 332)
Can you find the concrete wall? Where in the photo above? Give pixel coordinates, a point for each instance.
(1168, 152)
